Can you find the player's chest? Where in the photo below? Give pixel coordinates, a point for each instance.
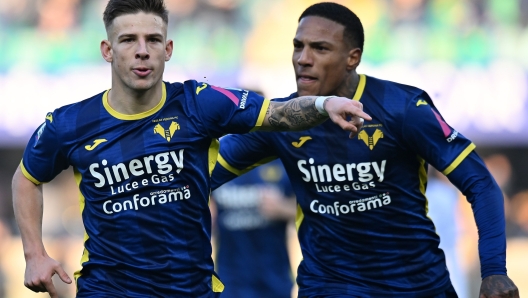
(330, 144)
(164, 138)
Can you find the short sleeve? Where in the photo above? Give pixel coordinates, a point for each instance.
(43, 159)
(227, 110)
(427, 133)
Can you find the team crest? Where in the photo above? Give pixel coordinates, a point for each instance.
(371, 140)
(166, 133)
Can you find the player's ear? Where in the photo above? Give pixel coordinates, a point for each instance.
(106, 50)
(354, 58)
(169, 46)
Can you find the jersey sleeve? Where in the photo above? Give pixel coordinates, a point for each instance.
(473, 179)
(426, 132)
(230, 110)
(43, 158)
(239, 154)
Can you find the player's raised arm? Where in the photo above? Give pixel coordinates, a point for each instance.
(307, 111)
(27, 202)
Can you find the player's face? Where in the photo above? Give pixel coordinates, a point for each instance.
(320, 57)
(138, 48)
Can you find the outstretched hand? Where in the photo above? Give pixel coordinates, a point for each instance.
(498, 286)
(39, 272)
(339, 109)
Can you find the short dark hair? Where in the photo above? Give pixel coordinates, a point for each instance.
(340, 14)
(116, 8)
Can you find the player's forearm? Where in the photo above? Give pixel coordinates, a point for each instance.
(295, 114)
(288, 209)
(27, 203)
(488, 209)
(487, 202)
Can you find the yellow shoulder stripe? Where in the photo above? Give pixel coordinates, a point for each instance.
(459, 159)
(238, 172)
(262, 114)
(227, 166)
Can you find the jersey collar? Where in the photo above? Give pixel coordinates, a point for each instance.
(360, 88)
(142, 115)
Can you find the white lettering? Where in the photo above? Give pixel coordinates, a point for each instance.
(178, 161)
(137, 167)
(134, 166)
(338, 172)
(312, 206)
(162, 160)
(365, 172)
(97, 175)
(452, 136)
(104, 207)
(300, 164)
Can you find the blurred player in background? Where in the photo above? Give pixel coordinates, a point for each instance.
(142, 154)
(362, 222)
(443, 209)
(253, 213)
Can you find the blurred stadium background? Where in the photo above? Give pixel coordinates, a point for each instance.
(470, 55)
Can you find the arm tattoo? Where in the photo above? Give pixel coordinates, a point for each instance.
(296, 114)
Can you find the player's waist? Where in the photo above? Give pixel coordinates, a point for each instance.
(375, 283)
(165, 261)
(368, 266)
(124, 278)
(112, 282)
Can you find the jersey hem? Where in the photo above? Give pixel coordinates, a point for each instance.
(27, 174)
(328, 290)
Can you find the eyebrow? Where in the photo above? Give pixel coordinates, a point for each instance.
(132, 35)
(313, 43)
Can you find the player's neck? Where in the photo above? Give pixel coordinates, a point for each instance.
(130, 102)
(348, 88)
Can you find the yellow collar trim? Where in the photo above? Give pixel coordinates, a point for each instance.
(360, 87)
(141, 115)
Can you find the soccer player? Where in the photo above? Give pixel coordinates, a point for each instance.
(362, 220)
(253, 215)
(142, 154)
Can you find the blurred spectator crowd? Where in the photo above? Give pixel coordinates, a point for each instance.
(413, 31)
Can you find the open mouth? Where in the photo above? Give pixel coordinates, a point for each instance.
(142, 71)
(306, 79)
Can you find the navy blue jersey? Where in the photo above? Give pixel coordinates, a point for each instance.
(144, 184)
(252, 257)
(362, 210)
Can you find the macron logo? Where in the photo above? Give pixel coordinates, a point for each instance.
(301, 142)
(95, 144)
